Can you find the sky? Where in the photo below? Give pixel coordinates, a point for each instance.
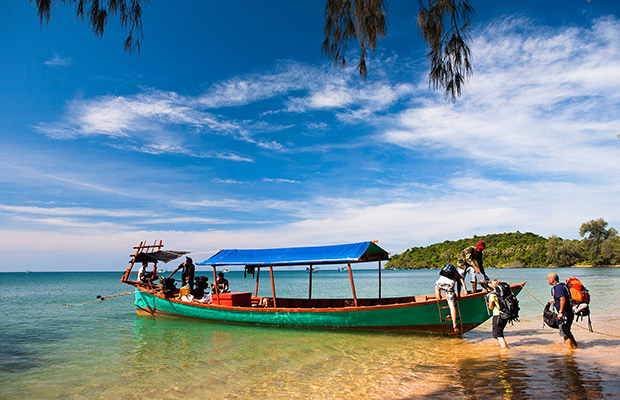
(230, 129)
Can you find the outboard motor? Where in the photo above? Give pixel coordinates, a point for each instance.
(201, 283)
(168, 286)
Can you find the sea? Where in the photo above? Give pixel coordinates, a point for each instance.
(58, 341)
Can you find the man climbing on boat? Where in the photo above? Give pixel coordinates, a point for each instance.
(470, 260)
(448, 277)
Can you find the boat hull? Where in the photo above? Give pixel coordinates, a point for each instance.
(422, 316)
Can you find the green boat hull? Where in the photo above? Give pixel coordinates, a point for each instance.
(423, 316)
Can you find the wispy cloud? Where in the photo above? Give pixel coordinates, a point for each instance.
(541, 101)
(58, 61)
(280, 180)
(159, 122)
(73, 211)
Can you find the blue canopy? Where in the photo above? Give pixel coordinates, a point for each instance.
(316, 255)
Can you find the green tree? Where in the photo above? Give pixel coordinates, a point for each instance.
(597, 234)
(443, 25)
(563, 253)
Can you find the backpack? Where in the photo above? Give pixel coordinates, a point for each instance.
(508, 303)
(580, 299)
(450, 272)
(550, 317)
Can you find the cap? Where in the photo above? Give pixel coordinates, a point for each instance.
(480, 245)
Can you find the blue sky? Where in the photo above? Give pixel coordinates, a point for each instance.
(230, 130)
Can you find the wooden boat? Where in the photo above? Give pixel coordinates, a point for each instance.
(423, 313)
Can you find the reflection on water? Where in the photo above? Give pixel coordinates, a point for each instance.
(194, 359)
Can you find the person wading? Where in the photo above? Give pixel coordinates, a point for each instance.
(562, 303)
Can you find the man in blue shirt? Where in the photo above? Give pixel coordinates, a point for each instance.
(561, 300)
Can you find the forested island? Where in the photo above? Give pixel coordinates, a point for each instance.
(599, 246)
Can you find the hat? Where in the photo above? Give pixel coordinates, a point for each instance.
(480, 245)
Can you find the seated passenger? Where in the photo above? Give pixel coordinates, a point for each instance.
(222, 283)
(143, 274)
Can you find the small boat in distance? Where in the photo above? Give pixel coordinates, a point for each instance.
(28, 271)
(343, 268)
(422, 313)
(314, 269)
(226, 270)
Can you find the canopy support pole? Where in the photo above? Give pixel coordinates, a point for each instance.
(256, 287)
(352, 284)
(379, 279)
(217, 292)
(273, 287)
(310, 284)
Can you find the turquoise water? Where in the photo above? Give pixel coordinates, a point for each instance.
(104, 350)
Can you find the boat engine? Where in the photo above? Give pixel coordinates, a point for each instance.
(168, 286)
(202, 283)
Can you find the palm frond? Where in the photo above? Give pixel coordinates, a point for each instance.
(98, 13)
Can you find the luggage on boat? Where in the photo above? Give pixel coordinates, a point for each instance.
(508, 303)
(184, 291)
(580, 299)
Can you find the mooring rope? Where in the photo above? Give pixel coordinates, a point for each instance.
(99, 299)
(574, 324)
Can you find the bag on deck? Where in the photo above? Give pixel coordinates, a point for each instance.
(508, 303)
(580, 299)
(550, 317)
(450, 271)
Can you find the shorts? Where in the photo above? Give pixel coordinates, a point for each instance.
(448, 288)
(472, 273)
(498, 326)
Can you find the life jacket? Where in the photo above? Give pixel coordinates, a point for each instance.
(508, 303)
(450, 272)
(580, 299)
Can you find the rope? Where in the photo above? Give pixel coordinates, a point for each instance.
(99, 299)
(574, 324)
(541, 303)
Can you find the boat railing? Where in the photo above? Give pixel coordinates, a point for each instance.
(284, 302)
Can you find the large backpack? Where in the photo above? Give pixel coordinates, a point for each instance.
(508, 303)
(580, 299)
(450, 271)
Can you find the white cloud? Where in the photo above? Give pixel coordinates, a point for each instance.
(536, 103)
(73, 211)
(58, 61)
(280, 180)
(473, 205)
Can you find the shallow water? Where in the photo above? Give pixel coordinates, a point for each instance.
(104, 350)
